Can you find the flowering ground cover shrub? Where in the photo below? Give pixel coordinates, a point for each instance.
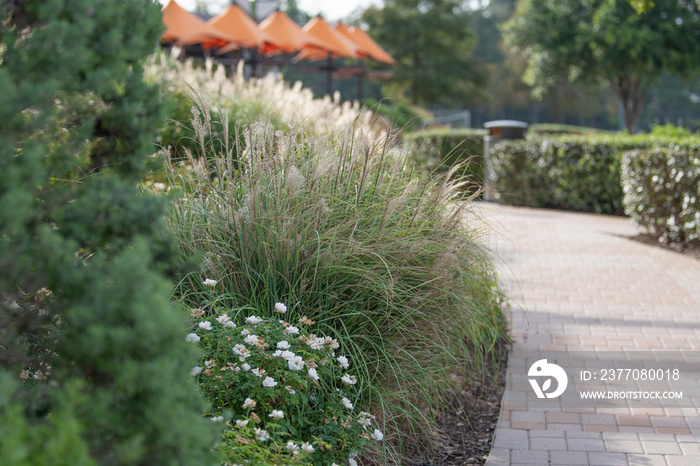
(340, 227)
(284, 388)
(662, 189)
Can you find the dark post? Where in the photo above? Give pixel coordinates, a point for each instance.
(329, 75)
(498, 130)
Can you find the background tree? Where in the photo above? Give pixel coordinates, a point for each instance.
(432, 42)
(94, 368)
(605, 40)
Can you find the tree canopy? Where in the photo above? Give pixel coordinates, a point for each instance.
(608, 40)
(432, 42)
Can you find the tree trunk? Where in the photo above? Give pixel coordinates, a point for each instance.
(631, 92)
(554, 104)
(414, 84)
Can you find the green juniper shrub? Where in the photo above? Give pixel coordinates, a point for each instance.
(662, 189)
(93, 365)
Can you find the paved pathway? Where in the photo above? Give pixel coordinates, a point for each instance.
(580, 286)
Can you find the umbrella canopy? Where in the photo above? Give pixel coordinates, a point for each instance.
(286, 35)
(245, 32)
(362, 51)
(335, 45)
(185, 28)
(363, 39)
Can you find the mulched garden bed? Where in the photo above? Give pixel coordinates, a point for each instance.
(466, 424)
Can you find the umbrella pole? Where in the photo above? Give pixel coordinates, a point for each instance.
(329, 75)
(361, 81)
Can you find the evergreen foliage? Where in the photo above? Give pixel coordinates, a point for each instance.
(93, 363)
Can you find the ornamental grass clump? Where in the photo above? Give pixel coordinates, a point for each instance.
(341, 228)
(286, 389)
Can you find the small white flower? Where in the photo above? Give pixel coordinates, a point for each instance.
(296, 363)
(316, 343)
(349, 379)
(283, 345)
(197, 313)
(377, 435)
(192, 337)
(261, 434)
(290, 389)
(287, 355)
(245, 332)
(281, 308)
(352, 462)
(222, 319)
(258, 372)
(209, 282)
(253, 320)
(347, 403)
(237, 349)
(365, 419)
(331, 343)
(210, 362)
(245, 366)
(313, 374)
(269, 382)
(252, 339)
(206, 325)
(217, 419)
(293, 447)
(249, 403)
(343, 361)
(276, 414)
(196, 370)
(291, 330)
(229, 324)
(242, 423)
(307, 447)
(243, 354)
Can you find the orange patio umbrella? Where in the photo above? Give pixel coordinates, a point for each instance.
(185, 28)
(363, 39)
(335, 45)
(286, 35)
(362, 51)
(241, 27)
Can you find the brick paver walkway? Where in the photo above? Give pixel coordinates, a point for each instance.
(580, 285)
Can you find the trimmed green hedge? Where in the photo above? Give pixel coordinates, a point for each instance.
(555, 128)
(571, 172)
(662, 189)
(447, 147)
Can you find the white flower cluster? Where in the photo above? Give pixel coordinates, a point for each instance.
(300, 352)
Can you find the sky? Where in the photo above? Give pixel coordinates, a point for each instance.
(331, 10)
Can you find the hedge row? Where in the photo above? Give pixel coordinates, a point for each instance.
(571, 172)
(662, 189)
